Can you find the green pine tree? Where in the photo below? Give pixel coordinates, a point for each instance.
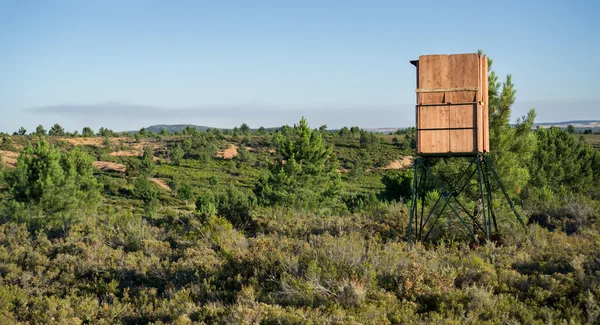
(176, 155)
(511, 147)
(306, 174)
(56, 131)
(50, 189)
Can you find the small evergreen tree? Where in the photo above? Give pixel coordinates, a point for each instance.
(56, 131)
(245, 129)
(40, 131)
(564, 164)
(104, 132)
(243, 154)
(50, 188)
(87, 132)
(147, 163)
(144, 190)
(306, 174)
(261, 131)
(176, 155)
(185, 191)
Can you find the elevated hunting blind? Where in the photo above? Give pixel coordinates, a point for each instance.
(452, 118)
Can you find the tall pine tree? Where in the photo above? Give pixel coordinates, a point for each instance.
(511, 146)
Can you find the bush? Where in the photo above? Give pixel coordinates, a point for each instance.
(206, 204)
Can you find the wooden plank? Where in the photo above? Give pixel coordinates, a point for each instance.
(462, 116)
(479, 139)
(463, 73)
(485, 100)
(443, 90)
(434, 117)
(462, 141)
(418, 95)
(433, 141)
(433, 73)
(479, 107)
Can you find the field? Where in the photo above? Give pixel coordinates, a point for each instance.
(295, 227)
(593, 139)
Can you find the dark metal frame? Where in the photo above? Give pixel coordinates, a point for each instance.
(422, 225)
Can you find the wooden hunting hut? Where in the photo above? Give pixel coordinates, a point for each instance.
(452, 104)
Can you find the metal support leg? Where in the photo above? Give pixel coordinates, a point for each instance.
(414, 198)
(486, 223)
(512, 206)
(486, 173)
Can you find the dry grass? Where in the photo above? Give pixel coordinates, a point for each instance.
(111, 166)
(160, 183)
(9, 158)
(399, 164)
(83, 141)
(593, 139)
(127, 153)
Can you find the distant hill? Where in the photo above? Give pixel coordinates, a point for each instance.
(171, 128)
(180, 127)
(581, 124)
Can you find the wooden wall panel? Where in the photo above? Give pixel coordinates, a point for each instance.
(462, 141)
(433, 73)
(463, 73)
(433, 141)
(462, 116)
(434, 117)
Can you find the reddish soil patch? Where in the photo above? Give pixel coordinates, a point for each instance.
(111, 166)
(9, 158)
(399, 164)
(160, 183)
(228, 153)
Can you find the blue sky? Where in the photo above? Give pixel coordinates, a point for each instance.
(128, 64)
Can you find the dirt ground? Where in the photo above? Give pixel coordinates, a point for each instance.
(107, 165)
(83, 141)
(160, 183)
(399, 164)
(127, 153)
(9, 158)
(228, 153)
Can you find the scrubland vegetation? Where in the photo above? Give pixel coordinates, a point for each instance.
(299, 226)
